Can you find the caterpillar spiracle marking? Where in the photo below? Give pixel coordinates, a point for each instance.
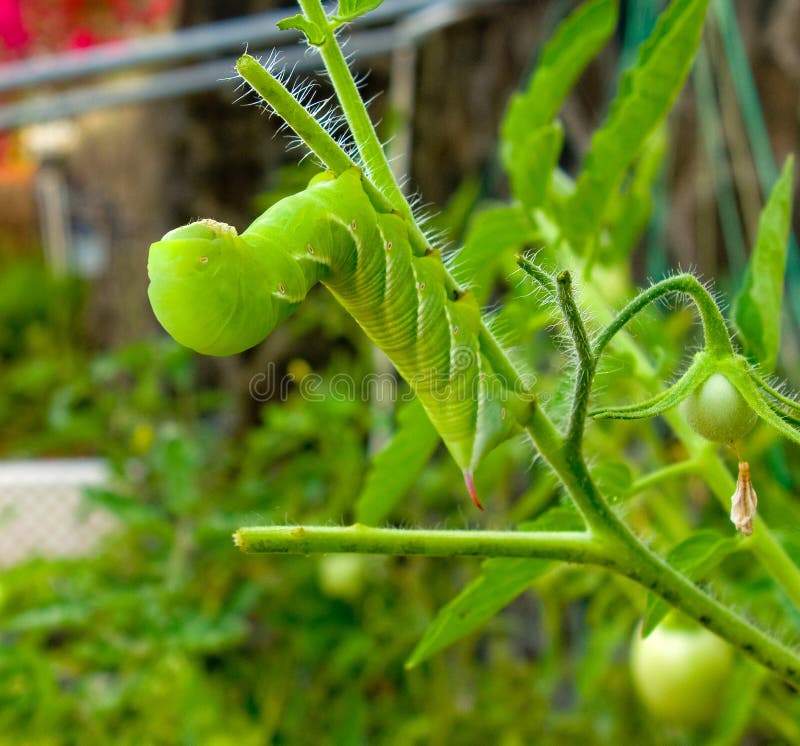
(219, 293)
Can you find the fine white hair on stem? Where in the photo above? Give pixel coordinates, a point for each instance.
(305, 91)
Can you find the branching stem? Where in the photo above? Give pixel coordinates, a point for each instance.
(303, 123)
(718, 341)
(367, 142)
(609, 542)
(635, 563)
(671, 471)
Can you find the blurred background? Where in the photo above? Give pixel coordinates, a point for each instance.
(126, 616)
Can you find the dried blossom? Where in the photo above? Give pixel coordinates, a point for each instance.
(744, 501)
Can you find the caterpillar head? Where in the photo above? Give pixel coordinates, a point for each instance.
(203, 289)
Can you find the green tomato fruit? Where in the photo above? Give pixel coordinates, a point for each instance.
(342, 575)
(717, 411)
(679, 674)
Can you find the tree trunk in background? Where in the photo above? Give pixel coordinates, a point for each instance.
(119, 181)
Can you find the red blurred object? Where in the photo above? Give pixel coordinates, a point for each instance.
(12, 30)
(40, 26)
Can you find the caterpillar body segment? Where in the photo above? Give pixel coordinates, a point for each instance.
(220, 293)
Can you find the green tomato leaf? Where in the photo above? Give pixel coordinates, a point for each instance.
(645, 96)
(531, 140)
(62, 615)
(628, 213)
(500, 582)
(533, 162)
(395, 468)
(575, 43)
(613, 478)
(695, 557)
(300, 23)
(492, 235)
(349, 10)
(126, 508)
(757, 306)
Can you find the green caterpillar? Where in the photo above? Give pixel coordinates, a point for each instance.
(220, 293)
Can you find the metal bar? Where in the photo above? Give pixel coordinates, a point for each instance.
(168, 84)
(205, 40)
(433, 14)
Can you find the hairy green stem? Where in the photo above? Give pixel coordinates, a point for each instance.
(587, 362)
(568, 466)
(718, 341)
(635, 562)
(780, 397)
(575, 546)
(369, 146)
(288, 108)
(303, 123)
(545, 279)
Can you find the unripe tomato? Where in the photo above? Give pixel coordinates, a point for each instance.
(342, 575)
(717, 411)
(680, 673)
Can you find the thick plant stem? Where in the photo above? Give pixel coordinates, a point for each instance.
(577, 546)
(571, 470)
(634, 562)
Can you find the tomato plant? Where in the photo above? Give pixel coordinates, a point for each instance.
(112, 649)
(342, 575)
(717, 411)
(354, 231)
(680, 673)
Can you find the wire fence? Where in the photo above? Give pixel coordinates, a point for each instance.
(42, 510)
